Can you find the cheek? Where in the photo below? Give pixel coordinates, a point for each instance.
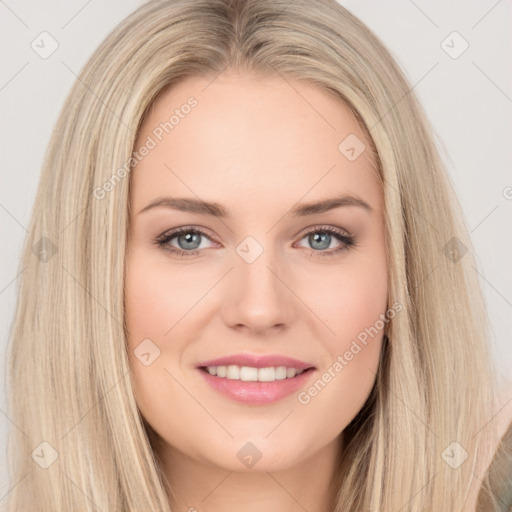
(351, 300)
(357, 303)
(157, 296)
(155, 300)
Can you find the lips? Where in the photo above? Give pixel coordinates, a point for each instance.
(257, 361)
(257, 392)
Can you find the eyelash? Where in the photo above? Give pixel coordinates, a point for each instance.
(346, 240)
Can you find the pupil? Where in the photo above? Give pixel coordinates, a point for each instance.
(323, 237)
(318, 240)
(190, 239)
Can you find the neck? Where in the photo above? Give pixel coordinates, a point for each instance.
(195, 485)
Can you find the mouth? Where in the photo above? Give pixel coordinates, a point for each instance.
(256, 386)
(254, 374)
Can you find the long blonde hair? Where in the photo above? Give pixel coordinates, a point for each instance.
(68, 372)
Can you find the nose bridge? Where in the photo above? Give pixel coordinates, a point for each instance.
(258, 298)
(253, 269)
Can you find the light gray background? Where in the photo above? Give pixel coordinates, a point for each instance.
(468, 100)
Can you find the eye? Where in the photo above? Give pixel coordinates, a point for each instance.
(188, 240)
(321, 237)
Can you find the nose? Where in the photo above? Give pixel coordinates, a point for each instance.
(257, 300)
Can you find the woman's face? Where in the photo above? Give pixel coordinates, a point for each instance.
(263, 272)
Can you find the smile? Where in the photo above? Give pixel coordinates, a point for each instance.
(256, 386)
(253, 374)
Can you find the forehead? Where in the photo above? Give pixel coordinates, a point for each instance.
(254, 138)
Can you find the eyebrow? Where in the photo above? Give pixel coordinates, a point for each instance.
(192, 205)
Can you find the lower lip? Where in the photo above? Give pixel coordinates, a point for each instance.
(255, 392)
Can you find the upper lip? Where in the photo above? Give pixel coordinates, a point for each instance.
(257, 361)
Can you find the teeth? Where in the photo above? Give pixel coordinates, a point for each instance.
(250, 374)
(233, 372)
(290, 372)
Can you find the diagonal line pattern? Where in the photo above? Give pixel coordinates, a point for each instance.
(215, 488)
(280, 423)
(424, 14)
(12, 280)
(76, 14)
(214, 78)
(407, 407)
(194, 305)
(165, 165)
(200, 404)
(408, 92)
(13, 13)
(286, 491)
(301, 300)
(81, 490)
(495, 496)
(92, 297)
(500, 294)
(17, 483)
(420, 213)
(13, 423)
(13, 217)
(304, 99)
(488, 215)
(306, 193)
(491, 80)
(493, 417)
(426, 277)
(73, 220)
(94, 94)
(82, 418)
(486, 14)
(14, 76)
(405, 505)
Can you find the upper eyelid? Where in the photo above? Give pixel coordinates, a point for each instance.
(186, 229)
(172, 233)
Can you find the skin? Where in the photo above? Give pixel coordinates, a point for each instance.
(258, 146)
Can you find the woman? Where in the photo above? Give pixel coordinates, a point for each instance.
(151, 373)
